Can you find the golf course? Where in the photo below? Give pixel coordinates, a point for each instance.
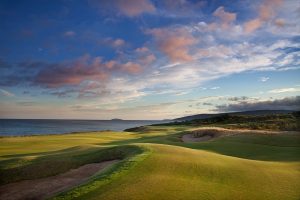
(153, 162)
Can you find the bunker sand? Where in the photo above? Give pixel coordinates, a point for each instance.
(209, 133)
(47, 187)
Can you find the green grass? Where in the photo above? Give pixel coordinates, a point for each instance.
(181, 173)
(157, 165)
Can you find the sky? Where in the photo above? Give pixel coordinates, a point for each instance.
(147, 59)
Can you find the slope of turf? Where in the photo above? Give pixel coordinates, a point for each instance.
(172, 172)
(243, 166)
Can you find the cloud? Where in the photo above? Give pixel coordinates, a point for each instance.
(288, 103)
(69, 33)
(266, 12)
(132, 68)
(207, 104)
(219, 51)
(284, 90)
(225, 17)
(243, 98)
(142, 50)
(71, 73)
(280, 22)
(175, 43)
(252, 25)
(115, 43)
(6, 93)
(147, 59)
(180, 8)
(129, 8)
(264, 79)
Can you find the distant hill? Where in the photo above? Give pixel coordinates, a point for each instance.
(252, 112)
(116, 119)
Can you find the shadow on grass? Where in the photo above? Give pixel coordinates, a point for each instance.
(54, 164)
(254, 147)
(76, 148)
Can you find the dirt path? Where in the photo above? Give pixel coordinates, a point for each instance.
(47, 187)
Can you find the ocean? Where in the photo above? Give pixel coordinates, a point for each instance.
(21, 127)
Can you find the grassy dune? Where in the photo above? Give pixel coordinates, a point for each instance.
(157, 165)
(182, 173)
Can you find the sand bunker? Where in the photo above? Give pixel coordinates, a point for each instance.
(46, 187)
(208, 133)
(202, 134)
(191, 138)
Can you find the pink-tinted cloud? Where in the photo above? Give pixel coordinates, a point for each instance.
(85, 69)
(147, 59)
(71, 73)
(115, 43)
(69, 33)
(266, 12)
(225, 17)
(131, 67)
(133, 8)
(180, 8)
(280, 22)
(175, 43)
(252, 25)
(267, 9)
(142, 50)
(130, 8)
(118, 43)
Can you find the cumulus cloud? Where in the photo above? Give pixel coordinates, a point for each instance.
(71, 73)
(85, 76)
(115, 43)
(225, 17)
(243, 98)
(266, 12)
(130, 8)
(284, 90)
(288, 103)
(175, 43)
(131, 67)
(252, 25)
(264, 79)
(180, 8)
(69, 33)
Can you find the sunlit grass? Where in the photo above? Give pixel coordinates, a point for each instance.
(243, 166)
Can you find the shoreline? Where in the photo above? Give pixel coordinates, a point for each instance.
(67, 133)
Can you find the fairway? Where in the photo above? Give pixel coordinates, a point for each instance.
(156, 164)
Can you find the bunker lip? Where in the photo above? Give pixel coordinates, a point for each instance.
(47, 187)
(209, 133)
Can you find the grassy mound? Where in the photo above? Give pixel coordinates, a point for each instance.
(172, 172)
(156, 164)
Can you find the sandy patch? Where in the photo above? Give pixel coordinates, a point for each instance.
(209, 133)
(191, 138)
(47, 187)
